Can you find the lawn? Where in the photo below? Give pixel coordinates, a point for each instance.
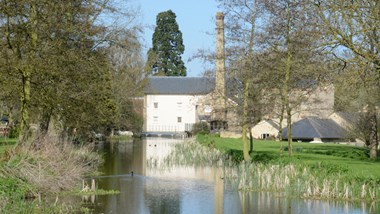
(345, 157)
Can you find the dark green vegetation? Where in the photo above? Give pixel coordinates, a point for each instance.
(335, 157)
(164, 58)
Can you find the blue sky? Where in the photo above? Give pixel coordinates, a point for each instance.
(194, 17)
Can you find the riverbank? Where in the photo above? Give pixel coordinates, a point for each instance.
(318, 171)
(346, 157)
(30, 174)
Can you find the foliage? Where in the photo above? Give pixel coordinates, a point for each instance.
(165, 55)
(201, 128)
(351, 36)
(127, 79)
(55, 59)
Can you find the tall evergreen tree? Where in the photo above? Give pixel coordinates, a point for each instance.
(165, 55)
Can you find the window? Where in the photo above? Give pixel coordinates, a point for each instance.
(155, 105)
(179, 105)
(208, 109)
(179, 119)
(155, 119)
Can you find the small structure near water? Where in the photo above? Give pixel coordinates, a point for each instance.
(313, 129)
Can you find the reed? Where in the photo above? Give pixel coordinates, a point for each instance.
(298, 180)
(322, 181)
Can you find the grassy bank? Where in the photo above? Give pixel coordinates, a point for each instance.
(319, 171)
(30, 174)
(343, 157)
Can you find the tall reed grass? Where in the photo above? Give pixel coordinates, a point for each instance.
(293, 179)
(46, 167)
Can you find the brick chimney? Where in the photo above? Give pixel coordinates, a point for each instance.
(220, 62)
(220, 113)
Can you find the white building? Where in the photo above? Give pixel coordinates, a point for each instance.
(174, 104)
(171, 103)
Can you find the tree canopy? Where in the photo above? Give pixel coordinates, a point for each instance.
(55, 67)
(164, 58)
(292, 46)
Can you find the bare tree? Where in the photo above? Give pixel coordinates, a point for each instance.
(290, 42)
(353, 36)
(241, 27)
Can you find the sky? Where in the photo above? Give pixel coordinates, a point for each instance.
(195, 19)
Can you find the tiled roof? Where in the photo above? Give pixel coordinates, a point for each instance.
(313, 127)
(180, 85)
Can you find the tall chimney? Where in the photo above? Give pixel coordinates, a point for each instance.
(220, 64)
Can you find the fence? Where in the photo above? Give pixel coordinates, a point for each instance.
(171, 128)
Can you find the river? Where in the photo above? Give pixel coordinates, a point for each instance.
(147, 188)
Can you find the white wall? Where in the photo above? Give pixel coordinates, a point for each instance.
(265, 127)
(164, 116)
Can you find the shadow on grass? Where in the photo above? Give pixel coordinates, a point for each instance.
(256, 156)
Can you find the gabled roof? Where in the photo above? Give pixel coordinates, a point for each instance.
(180, 85)
(313, 127)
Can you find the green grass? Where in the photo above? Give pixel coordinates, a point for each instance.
(352, 159)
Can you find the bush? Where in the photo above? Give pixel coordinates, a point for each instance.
(14, 132)
(201, 128)
(235, 155)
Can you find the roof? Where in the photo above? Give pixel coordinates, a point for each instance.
(313, 127)
(179, 85)
(349, 117)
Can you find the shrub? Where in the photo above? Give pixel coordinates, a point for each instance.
(201, 128)
(14, 132)
(235, 155)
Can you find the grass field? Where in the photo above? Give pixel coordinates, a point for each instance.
(351, 159)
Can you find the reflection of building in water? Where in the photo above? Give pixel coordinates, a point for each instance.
(197, 190)
(156, 149)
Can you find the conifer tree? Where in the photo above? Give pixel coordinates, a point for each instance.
(167, 47)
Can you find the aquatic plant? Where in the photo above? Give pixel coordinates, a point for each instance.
(321, 181)
(299, 180)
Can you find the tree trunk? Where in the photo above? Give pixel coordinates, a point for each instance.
(45, 120)
(373, 138)
(280, 127)
(245, 118)
(250, 141)
(247, 146)
(289, 122)
(288, 67)
(26, 76)
(25, 102)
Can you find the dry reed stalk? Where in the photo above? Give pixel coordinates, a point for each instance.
(52, 165)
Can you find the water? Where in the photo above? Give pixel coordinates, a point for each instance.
(179, 189)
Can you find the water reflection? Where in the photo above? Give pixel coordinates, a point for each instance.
(156, 188)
